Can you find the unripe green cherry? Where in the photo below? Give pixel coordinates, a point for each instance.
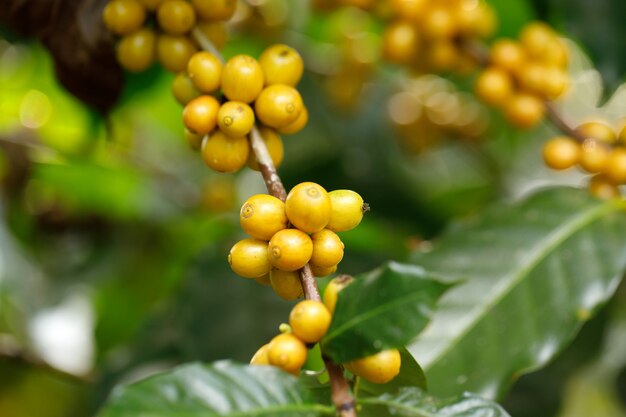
(327, 248)
(249, 258)
(308, 207)
(290, 249)
(346, 210)
(309, 320)
(262, 216)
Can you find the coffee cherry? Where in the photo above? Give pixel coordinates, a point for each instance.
(379, 368)
(621, 138)
(309, 321)
(194, 140)
(235, 118)
(409, 9)
(287, 352)
(524, 110)
(308, 207)
(176, 17)
(615, 169)
(151, 5)
(205, 71)
(334, 287)
(183, 89)
(281, 64)
(274, 145)
(346, 210)
(439, 22)
(262, 216)
(136, 51)
(401, 42)
(555, 83)
(200, 114)
(601, 187)
(123, 16)
(298, 125)
(261, 357)
(536, 38)
(264, 280)
(561, 152)
(215, 9)
(242, 78)
(224, 153)
(597, 130)
(494, 86)
(442, 55)
(286, 284)
(531, 77)
(327, 249)
(248, 258)
(323, 271)
(216, 32)
(594, 156)
(290, 249)
(478, 20)
(174, 52)
(278, 105)
(508, 55)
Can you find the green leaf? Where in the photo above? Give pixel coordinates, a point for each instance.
(383, 309)
(413, 402)
(411, 375)
(535, 272)
(219, 389)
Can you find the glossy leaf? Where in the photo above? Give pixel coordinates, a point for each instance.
(219, 389)
(534, 271)
(413, 402)
(383, 309)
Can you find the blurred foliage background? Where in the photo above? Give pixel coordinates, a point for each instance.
(113, 235)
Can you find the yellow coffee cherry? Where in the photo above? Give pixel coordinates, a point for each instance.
(334, 287)
(278, 105)
(439, 22)
(235, 118)
(216, 32)
(536, 38)
(298, 125)
(264, 280)
(215, 9)
(205, 71)
(242, 78)
(290, 249)
(176, 17)
(136, 51)
(411, 10)
(507, 55)
(183, 89)
(615, 168)
(323, 271)
(327, 249)
(151, 5)
(531, 77)
(248, 258)
(478, 20)
(601, 187)
(561, 152)
(274, 145)
(224, 153)
(347, 209)
(194, 140)
(200, 114)
(597, 130)
(123, 17)
(281, 64)
(286, 284)
(287, 352)
(309, 320)
(494, 86)
(622, 135)
(594, 156)
(261, 357)
(173, 52)
(555, 84)
(401, 42)
(262, 216)
(308, 207)
(379, 368)
(442, 55)
(524, 110)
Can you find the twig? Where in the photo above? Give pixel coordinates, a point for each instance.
(340, 389)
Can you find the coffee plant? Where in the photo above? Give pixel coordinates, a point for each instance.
(450, 243)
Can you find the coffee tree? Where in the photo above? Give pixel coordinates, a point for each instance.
(406, 116)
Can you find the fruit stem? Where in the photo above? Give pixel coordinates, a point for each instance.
(206, 44)
(340, 390)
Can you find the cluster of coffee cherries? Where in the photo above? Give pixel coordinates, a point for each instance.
(284, 237)
(523, 74)
(160, 29)
(602, 152)
(250, 91)
(427, 35)
(308, 322)
(430, 109)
